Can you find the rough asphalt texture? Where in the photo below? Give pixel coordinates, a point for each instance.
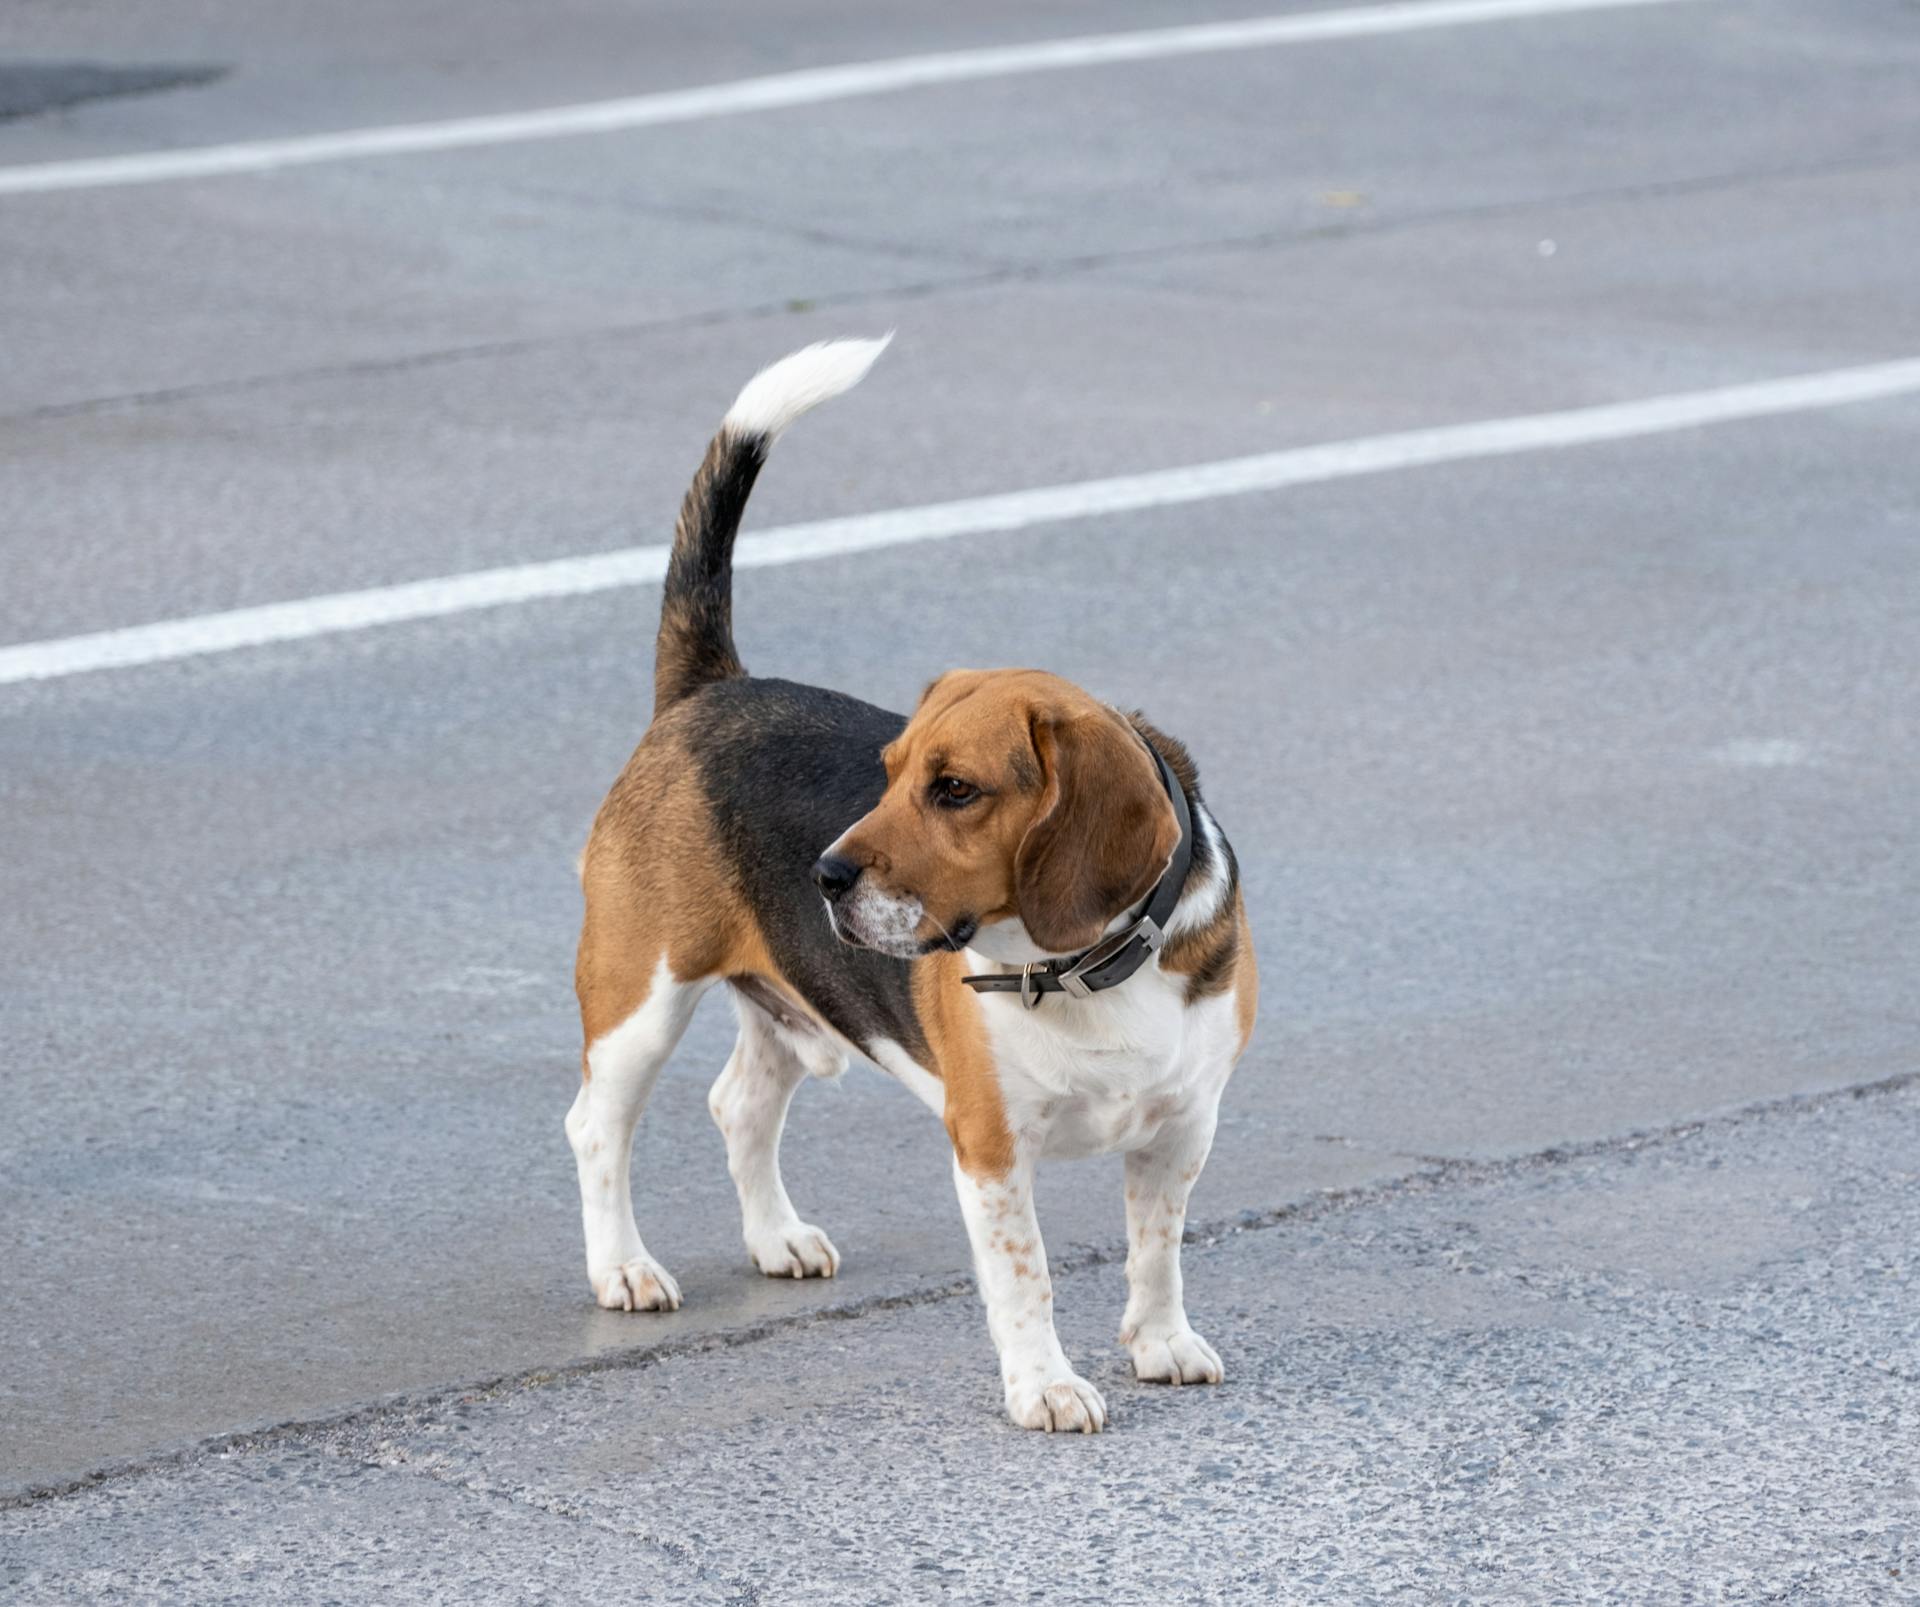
(1575, 794)
(1670, 1370)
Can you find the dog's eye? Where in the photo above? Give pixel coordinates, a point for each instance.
(950, 792)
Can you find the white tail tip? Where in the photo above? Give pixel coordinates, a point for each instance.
(778, 395)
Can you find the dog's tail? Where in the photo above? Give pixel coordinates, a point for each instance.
(696, 612)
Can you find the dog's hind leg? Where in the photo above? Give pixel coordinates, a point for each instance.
(749, 1105)
(622, 1063)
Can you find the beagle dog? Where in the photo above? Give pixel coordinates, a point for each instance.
(1016, 902)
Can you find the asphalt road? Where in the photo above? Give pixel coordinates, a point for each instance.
(1575, 789)
(1677, 1371)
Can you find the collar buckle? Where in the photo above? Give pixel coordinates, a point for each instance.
(1073, 979)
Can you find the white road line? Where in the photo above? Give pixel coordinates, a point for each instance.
(808, 87)
(1015, 510)
(1766, 753)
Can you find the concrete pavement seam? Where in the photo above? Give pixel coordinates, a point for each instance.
(1459, 1172)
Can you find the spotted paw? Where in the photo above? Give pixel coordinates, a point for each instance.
(1175, 1356)
(1063, 1403)
(641, 1284)
(794, 1249)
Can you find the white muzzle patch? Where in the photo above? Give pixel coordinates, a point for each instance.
(871, 919)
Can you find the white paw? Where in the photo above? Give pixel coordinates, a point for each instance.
(1061, 1402)
(794, 1249)
(641, 1284)
(1174, 1356)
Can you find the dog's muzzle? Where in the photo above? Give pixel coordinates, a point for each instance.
(861, 914)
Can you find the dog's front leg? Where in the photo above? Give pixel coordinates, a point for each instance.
(1155, 1330)
(1042, 1389)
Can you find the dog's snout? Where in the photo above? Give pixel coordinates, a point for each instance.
(834, 875)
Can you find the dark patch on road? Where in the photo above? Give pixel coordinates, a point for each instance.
(29, 88)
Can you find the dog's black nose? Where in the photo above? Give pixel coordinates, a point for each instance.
(833, 876)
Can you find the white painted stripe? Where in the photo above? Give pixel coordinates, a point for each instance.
(1015, 510)
(807, 87)
(1765, 753)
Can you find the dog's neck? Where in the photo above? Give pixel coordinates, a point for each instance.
(1007, 945)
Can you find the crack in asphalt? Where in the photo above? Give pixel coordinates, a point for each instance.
(1419, 1157)
(729, 217)
(1025, 272)
(1441, 1174)
(675, 1552)
(551, 1506)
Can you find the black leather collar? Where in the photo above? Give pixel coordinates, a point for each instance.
(1113, 959)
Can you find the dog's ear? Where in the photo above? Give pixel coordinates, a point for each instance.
(1102, 834)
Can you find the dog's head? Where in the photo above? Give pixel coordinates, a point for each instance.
(1021, 816)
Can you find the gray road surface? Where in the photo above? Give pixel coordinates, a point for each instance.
(1671, 1370)
(1575, 791)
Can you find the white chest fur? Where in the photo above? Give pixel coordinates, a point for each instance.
(1092, 1076)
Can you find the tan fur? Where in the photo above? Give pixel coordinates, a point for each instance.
(976, 1116)
(1246, 983)
(1209, 956)
(654, 883)
(1072, 824)
(1103, 833)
